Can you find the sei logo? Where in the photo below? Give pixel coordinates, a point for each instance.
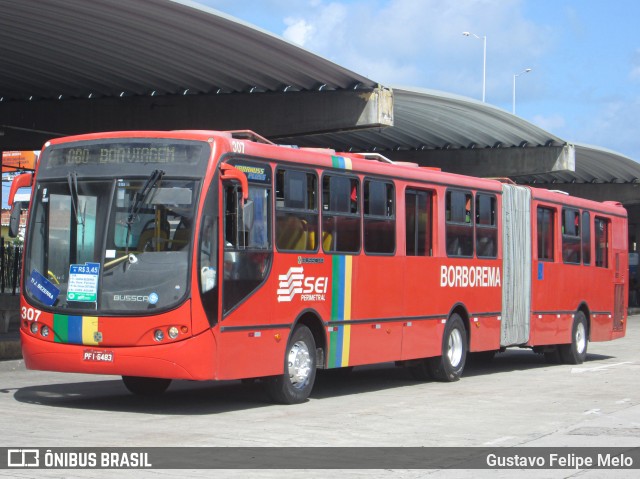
(310, 288)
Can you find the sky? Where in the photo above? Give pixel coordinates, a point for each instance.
(584, 55)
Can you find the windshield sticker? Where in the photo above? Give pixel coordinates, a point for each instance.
(153, 298)
(83, 282)
(42, 289)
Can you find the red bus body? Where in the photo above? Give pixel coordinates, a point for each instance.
(361, 307)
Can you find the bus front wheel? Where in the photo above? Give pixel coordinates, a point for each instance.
(449, 366)
(295, 385)
(146, 386)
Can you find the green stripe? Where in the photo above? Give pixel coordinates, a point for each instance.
(336, 285)
(60, 328)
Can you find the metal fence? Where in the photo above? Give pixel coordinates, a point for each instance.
(10, 267)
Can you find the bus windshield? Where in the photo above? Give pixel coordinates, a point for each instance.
(111, 245)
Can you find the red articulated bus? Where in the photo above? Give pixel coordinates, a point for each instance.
(218, 255)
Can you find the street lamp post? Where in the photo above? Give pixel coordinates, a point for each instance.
(526, 70)
(484, 61)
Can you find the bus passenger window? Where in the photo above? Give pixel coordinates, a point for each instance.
(486, 226)
(340, 214)
(586, 238)
(379, 217)
(545, 234)
(418, 223)
(602, 242)
(296, 210)
(459, 229)
(571, 236)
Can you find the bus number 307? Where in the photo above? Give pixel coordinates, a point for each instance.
(30, 314)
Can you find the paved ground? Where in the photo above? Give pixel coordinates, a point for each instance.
(517, 400)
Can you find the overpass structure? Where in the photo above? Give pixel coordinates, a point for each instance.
(72, 66)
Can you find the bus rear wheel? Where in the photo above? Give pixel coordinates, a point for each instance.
(295, 385)
(146, 386)
(450, 365)
(576, 351)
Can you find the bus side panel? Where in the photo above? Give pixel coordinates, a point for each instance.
(475, 285)
(379, 337)
(249, 343)
(425, 308)
(557, 290)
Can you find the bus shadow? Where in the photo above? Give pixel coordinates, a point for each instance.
(516, 360)
(210, 397)
(182, 397)
(362, 379)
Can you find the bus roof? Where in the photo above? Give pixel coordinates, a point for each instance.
(367, 163)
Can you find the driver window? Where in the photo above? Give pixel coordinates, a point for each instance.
(247, 242)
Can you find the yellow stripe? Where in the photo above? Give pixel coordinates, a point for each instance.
(347, 163)
(346, 339)
(89, 327)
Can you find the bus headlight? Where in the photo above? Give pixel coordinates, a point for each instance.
(34, 328)
(173, 332)
(44, 331)
(158, 335)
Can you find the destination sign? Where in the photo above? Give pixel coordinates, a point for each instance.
(123, 153)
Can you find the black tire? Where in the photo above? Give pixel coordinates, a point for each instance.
(450, 365)
(295, 385)
(146, 386)
(576, 351)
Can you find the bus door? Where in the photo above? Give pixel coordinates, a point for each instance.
(247, 345)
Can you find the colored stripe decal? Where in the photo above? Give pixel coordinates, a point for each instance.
(340, 343)
(346, 345)
(341, 162)
(60, 328)
(75, 329)
(89, 328)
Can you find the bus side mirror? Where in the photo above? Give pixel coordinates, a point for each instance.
(14, 219)
(230, 172)
(24, 180)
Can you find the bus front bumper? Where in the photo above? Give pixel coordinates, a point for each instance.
(192, 358)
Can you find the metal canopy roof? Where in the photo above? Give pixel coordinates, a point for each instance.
(428, 119)
(77, 48)
(64, 49)
(593, 165)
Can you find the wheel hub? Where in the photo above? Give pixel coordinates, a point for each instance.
(299, 364)
(455, 348)
(581, 338)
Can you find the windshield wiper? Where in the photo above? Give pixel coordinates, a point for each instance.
(140, 196)
(72, 181)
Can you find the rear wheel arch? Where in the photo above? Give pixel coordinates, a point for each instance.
(311, 319)
(584, 308)
(461, 311)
